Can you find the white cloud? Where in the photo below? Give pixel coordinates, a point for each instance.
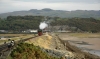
(78, 1)
(63, 6)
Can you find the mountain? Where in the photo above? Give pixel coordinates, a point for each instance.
(55, 13)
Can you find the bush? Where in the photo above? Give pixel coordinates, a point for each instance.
(29, 51)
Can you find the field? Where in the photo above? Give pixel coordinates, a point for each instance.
(12, 34)
(14, 37)
(81, 35)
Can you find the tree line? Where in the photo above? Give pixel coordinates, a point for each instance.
(19, 23)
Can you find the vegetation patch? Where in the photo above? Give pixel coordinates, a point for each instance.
(29, 51)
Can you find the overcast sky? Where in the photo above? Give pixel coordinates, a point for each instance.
(18, 5)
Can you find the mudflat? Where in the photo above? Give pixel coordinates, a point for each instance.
(91, 38)
(87, 41)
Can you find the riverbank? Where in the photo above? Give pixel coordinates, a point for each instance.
(56, 46)
(88, 42)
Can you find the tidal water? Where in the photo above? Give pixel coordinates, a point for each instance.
(91, 46)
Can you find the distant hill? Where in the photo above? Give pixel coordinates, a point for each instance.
(55, 13)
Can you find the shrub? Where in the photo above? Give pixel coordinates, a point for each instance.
(29, 51)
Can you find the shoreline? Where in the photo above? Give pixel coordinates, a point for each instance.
(82, 45)
(75, 49)
(79, 51)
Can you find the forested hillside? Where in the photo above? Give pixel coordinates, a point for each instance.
(20, 23)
